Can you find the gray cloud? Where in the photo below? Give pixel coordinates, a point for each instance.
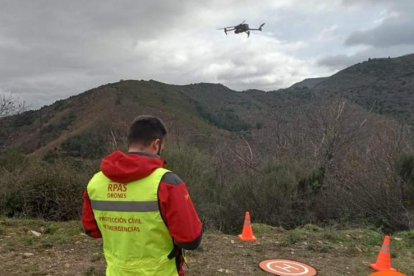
(391, 32)
(53, 49)
(341, 61)
(393, 28)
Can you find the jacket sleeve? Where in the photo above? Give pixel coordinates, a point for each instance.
(178, 212)
(88, 218)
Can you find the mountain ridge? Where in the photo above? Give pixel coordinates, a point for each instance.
(385, 86)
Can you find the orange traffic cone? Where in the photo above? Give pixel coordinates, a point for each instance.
(384, 258)
(247, 234)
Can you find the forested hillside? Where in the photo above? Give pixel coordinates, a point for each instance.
(338, 152)
(384, 85)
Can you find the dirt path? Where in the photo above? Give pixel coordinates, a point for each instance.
(62, 249)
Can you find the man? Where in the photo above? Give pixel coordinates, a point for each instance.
(142, 211)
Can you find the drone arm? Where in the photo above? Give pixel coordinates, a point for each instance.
(259, 29)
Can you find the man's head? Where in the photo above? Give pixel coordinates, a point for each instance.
(147, 134)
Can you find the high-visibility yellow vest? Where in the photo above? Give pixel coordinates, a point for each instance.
(135, 237)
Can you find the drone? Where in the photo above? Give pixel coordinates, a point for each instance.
(241, 28)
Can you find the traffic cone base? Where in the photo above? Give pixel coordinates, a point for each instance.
(384, 257)
(252, 238)
(380, 268)
(247, 234)
(387, 273)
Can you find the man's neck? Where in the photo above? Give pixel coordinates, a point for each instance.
(142, 153)
(139, 149)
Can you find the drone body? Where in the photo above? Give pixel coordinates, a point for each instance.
(241, 28)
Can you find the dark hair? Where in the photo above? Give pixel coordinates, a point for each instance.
(145, 129)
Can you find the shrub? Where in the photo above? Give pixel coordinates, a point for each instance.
(278, 192)
(43, 190)
(406, 173)
(11, 159)
(271, 195)
(223, 119)
(197, 170)
(406, 168)
(86, 145)
(63, 124)
(24, 119)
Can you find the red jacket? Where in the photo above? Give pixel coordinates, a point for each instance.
(177, 209)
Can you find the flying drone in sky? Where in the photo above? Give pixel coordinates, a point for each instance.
(241, 28)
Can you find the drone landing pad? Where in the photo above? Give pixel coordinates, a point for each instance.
(287, 268)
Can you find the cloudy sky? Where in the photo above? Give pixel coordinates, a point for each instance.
(50, 50)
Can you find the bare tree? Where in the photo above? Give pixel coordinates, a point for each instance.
(11, 105)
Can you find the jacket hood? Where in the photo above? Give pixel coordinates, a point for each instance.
(125, 168)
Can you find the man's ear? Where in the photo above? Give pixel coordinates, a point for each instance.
(156, 144)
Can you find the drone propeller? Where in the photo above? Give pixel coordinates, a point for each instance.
(231, 26)
(260, 28)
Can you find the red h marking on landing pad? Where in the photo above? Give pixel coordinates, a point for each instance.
(287, 268)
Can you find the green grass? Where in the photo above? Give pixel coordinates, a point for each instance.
(2, 230)
(264, 228)
(330, 250)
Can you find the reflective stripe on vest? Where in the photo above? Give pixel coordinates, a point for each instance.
(136, 240)
(125, 206)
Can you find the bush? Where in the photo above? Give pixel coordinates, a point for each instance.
(406, 168)
(11, 159)
(87, 145)
(271, 195)
(197, 170)
(43, 190)
(64, 123)
(284, 192)
(24, 119)
(226, 119)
